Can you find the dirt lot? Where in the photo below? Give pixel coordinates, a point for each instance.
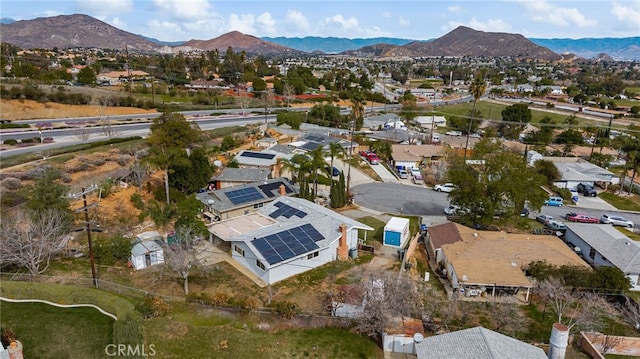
(29, 110)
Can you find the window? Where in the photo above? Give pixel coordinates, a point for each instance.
(239, 250)
(313, 255)
(258, 205)
(259, 264)
(592, 253)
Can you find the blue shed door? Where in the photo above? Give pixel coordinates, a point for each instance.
(392, 238)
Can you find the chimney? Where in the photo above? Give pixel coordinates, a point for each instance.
(558, 341)
(282, 190)
(343, 249)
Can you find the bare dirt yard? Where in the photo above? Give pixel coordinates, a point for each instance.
(30, 110)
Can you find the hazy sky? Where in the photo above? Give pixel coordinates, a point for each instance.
(175, 20)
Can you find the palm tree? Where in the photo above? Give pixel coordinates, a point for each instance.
(632, 151)
(477, 89)
(316, 163)
(300, 166)
(334, 150)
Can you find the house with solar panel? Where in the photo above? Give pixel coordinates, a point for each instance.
(262, 159)
(243, 199)
(288, 236)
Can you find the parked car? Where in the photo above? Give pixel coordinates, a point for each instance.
(559, 227)
(454, 133)
(583, 218)
(554, 201)
(364, 153)
(615, 220)
(415, 171)
(418, 179)
(373, 158)
(447, 187)
(571, 214)
(334, 171)
(403, 174)
(586, 189)
(544, 218)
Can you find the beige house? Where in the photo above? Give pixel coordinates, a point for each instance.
(489, 263)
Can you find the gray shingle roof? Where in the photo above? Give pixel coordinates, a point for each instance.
(244, 174)
(617, 248)
(476, 343)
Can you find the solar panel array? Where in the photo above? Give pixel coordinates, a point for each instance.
(287, 244)
(311, 145)
(286, 211)
(264, 156)
(244, 195)
(269, 188)
(314, 138)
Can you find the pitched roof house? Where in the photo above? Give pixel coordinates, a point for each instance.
(492, 262)
(235, 201)
(237, 176)
(603, 245)
(287, 237)
(476, 343)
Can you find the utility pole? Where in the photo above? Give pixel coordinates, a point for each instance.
(126, 51)
(85, 209)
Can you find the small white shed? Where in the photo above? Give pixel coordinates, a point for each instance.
(396, 232)
(147, 250)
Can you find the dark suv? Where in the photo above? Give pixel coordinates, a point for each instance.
(587, 190)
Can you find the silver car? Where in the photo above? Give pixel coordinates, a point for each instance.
(615, 220)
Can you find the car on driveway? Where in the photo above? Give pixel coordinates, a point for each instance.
(559, 227)
(571, 214)
(373, 159)
(334, 171)
(583, 218)
(544, 218)
(615, 220)
(586, 190)
(364, 153)
(447, 187)
(415, 171)
(554, 201)
(418, 179)
(403, 174)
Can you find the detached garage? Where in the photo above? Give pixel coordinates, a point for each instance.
(147, 250)
(396, 232)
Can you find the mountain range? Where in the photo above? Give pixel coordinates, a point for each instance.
(79, 30)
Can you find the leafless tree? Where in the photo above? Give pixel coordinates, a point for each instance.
(30, 240)
(507, 316)
(609, 344)
(386, 297)
(180, 256)
(82, 133)
(631, 313)
(108, 128)
(139, 173)
(288, 93)
(574, 308)
(243, 99)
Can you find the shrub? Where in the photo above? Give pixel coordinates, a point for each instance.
(11, 141)
(11, 183)
(285, 308)
(111, 250)
(153, 306)
(123, 160)
(136, 200)
(244, 304)
(27, 140)
(65, 177)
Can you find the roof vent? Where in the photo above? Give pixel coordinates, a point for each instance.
(513, 264)
(211, 201)
(464, 278)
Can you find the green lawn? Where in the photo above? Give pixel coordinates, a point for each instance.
(212, 335)
(621, 203)
(50, 332)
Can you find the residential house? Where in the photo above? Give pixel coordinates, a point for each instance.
(115, 78)
(239, 200)
(574, 170)
(483, 263)
(476, 343)
(262, 159)
(604, 245)
(430, 122)
(288, 236)
(147, 250)
(408, 156)
(231, 177)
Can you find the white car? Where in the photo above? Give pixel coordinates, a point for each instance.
(447, 187)
(454, 133)
(415, 171)
(615, 220)
(403, 174)
(454, 210)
